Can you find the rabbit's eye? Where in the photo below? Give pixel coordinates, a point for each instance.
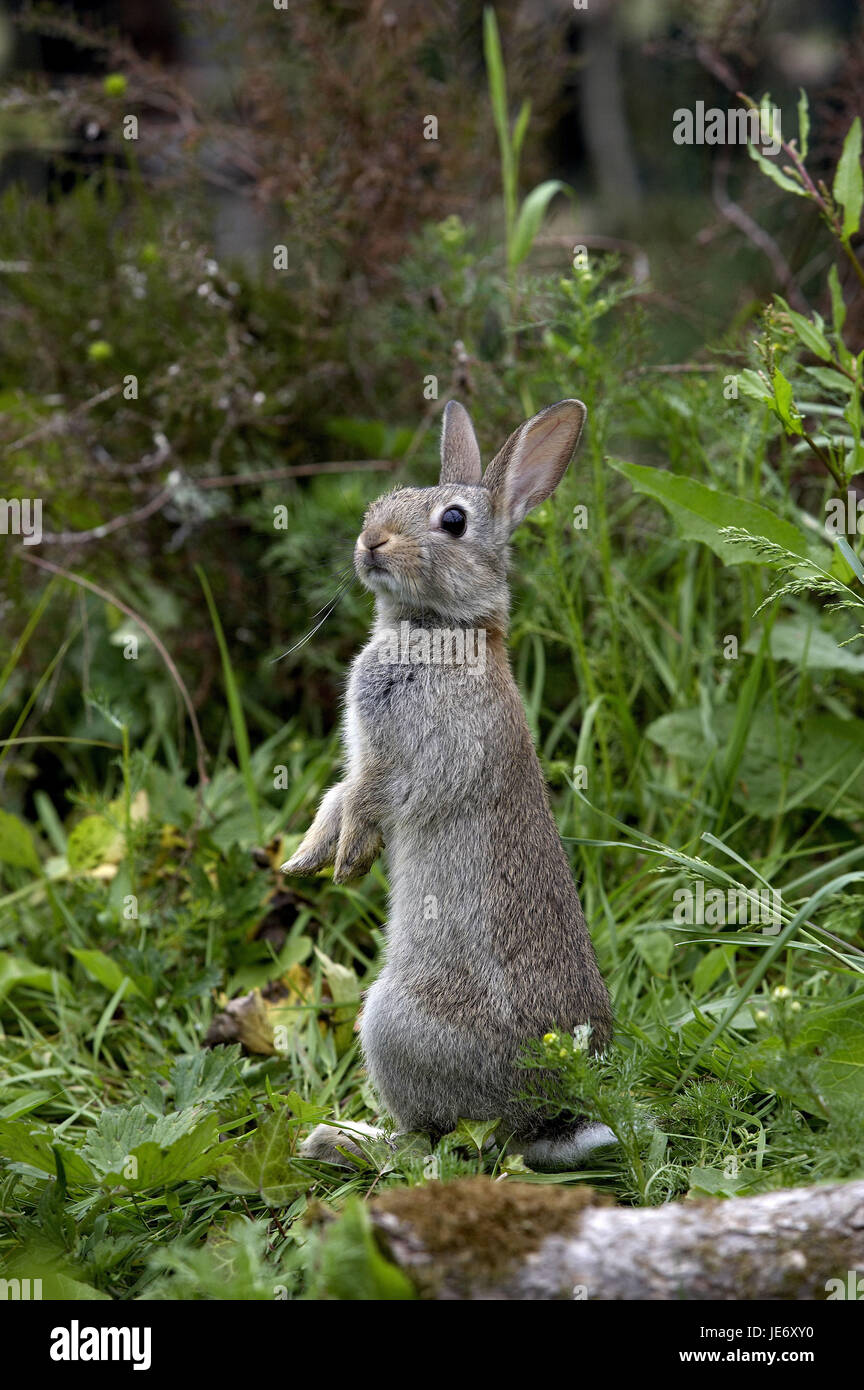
(453, 521)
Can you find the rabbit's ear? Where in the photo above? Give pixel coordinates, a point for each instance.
(532, 462)
(460, 452)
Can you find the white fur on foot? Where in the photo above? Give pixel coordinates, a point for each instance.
(322, 1143)
(570, 1150)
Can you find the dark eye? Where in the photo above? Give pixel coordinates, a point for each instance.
(453, 521)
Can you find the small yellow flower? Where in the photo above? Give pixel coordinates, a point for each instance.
(550, 1038)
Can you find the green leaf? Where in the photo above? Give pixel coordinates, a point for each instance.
(498, 98)
(264, 1166)
(784, 405)
(306, 1112)
(784, 181)
(232, 1265)
(530, 218)
(699, 512)
(519, 128)
(783, 764)
(105, 970)
(92, 842)
(16, 843)
(826, 1061)
(345, 991)
(831, 380)
(18, 970)
(806, 646)
(803, 123)
(495, 68)
(476, 1133)
(352, 1266)
(752, 384)
(838, 305)
(655, 948)
(709, 970)
(810, 334)
(203, 1078)
(22, 1141)
(153, 1165)
(850, 557)
(121, 1129)
(848, 183)
(235, 705)
(714, 1182)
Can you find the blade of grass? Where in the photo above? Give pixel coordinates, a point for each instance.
(235, 705)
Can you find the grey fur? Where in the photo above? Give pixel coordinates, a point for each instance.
(487, 945)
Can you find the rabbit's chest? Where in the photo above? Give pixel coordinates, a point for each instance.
(418, 720)
(396, 701)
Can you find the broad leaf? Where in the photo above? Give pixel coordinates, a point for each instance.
(700, 512)
(352, 1266)
(807, 647)
(783, 764)
(530, 218)
(264, 1166)
(16, 843)
(848, 184)
(105, 970)
(18, 970)
(829, 1052)
(152, 1165)
(22, 1141)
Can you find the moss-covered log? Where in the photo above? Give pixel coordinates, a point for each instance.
(477, 1239)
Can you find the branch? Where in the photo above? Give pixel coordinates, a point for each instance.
(301, 470)
(116, 523)
(476, 1240)
(734, 213)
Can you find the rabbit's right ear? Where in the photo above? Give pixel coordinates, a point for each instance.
(460, 452)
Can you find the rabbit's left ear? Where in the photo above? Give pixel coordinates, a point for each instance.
(533, 461)
(460, 452)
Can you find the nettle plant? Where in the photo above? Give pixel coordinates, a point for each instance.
(836, 440)
(829, 393)
(818, 408)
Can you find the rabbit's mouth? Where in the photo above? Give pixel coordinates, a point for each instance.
(374, 571)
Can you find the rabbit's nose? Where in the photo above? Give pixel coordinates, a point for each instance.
(374, 537)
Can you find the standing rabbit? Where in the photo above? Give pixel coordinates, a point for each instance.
(487, 945)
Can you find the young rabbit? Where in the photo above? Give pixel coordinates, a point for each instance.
(487, 945)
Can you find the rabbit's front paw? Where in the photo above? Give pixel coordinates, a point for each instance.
(311, 857)
(359, 847)
(317, 850)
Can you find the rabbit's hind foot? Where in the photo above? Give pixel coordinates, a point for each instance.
(326, 1141)
(570, 1147)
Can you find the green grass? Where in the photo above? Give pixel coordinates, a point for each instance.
(127, 922)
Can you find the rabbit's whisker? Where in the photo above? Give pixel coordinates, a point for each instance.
(326, 610)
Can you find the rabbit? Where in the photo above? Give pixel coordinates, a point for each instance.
(487, 945)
